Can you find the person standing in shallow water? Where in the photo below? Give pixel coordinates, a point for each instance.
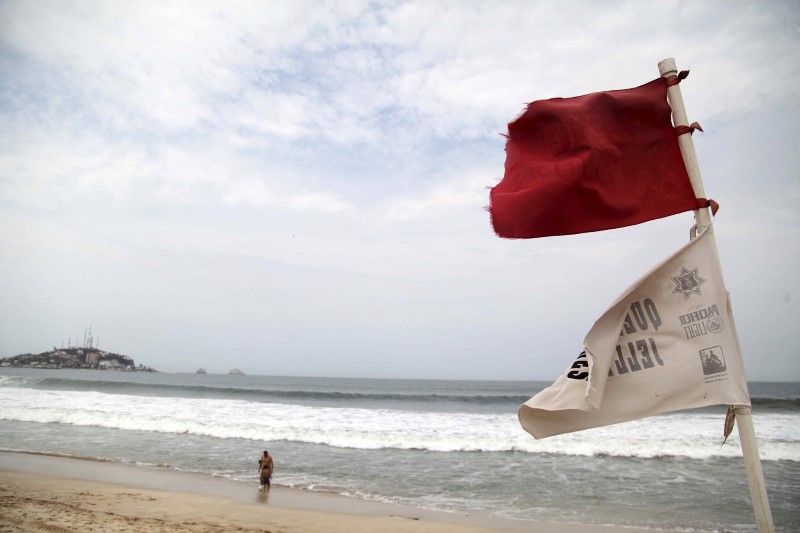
(265, 466)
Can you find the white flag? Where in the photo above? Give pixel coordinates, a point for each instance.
(668, 343)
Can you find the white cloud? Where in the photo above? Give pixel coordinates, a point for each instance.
(287, 116)
(442, 199)
(253, 192)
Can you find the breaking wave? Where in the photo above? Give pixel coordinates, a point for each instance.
(693, 435)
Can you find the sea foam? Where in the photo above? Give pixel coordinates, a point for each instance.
(696, 435)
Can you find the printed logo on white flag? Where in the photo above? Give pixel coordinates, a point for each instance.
(668, 343)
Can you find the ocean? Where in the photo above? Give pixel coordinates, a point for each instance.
(447, 445)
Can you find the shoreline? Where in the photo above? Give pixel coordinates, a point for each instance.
(40, 490)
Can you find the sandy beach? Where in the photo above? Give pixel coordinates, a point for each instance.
(42, 493)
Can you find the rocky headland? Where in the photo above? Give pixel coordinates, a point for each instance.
(89, 358)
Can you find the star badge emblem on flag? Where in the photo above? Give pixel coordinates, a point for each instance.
(688, 282)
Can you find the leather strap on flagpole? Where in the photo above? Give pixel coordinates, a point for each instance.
(703, 203)
(680, 130)
(675, 80)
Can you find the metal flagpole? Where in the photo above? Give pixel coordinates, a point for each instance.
(744, 419)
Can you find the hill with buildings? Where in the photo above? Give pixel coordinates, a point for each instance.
(90, 358)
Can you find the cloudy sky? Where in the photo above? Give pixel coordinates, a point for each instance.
(298, 188)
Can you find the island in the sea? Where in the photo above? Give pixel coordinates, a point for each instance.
(90, 358)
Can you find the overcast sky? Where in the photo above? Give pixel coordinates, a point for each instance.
(298, 188)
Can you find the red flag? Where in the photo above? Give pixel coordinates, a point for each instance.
(590, 163)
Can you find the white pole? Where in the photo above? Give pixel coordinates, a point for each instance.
(667, 68)
(744, 420)
(755, 477)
